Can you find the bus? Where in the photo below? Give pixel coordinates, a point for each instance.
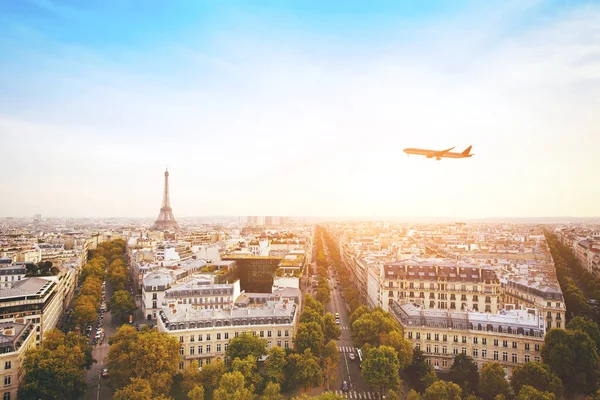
(360, 358)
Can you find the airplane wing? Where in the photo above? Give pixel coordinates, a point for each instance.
(441, 153)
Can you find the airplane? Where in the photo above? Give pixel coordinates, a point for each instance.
(439, 154)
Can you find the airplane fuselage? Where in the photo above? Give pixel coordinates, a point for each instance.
(436, 153)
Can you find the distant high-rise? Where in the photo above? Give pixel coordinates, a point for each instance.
(165, 219)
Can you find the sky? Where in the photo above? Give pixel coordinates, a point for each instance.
(299, 107)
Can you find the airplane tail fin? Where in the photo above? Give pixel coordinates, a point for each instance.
(467, 151)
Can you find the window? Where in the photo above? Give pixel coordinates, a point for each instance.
(429, 336)
(436, 349)
(505, 343)
(514, 345)
(262, 333)
(527, 358)
(428, 349)
(208, 336)
(199, 338)
(226, 335)
(474, 340)
(199, 349)
(496, 342)
(496, 355)
(464, 350)
(464, 339)
(8, 365)
(279, 343)
(484, 353)
(410, 335)
(437, 336)
(418, 335)
(7, 380)
(192, 350)
(236, 334)
(444, 350)
(287, 345)
(6, 395)
(537, 347)
(445, 338)
(268, 333)
(484, 341)
(514, 358)
(180, 364)
(227, 345)
(181, 351)
(208, 349)
(218, 336)
(475, 353)
(504, 356)
(218, 347)
(191, 338)
(278, 333)
(287, 333)
(455, 350)
(537, 359)
(180, 339)
(455, 339)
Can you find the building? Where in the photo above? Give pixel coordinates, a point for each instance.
(255, 272)
(15, 340)
(511, 337)
(445, 285)
(534, 294)
(36, 299)
(11, 273)
(204, 333)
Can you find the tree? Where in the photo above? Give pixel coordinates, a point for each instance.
(247, 367)
(275, 364)
(402, 346)
(211, 376)
(572, 356)
(122, 304)
(464, 373)
(197, 393)
(92, 286)
(587, 326)
(245, 345)
(331, 330)
(323, 295)
(330, 362)
(537, 375)
(310, 302)
(418, 370)
(309, 336)
(302, 370)
(137, 389)
(370, 327)
(191, 376)
(272, 392)
(312, 315)
(56, 370)
(413, 395)
(359, 312)
(530, 393)
(232, 387)
(147, 354)
(442, 390)
(85, 309)
(380, 368)
(492, 382)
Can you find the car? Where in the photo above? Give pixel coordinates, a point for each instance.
(337, 321)
(337, 315)
(345, 387)
(351, 356)
(105, 373)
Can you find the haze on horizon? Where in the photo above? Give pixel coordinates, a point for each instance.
(283, 109)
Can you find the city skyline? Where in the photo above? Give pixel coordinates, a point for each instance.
(290, 110)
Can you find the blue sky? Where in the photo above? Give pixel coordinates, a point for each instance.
(300, 108)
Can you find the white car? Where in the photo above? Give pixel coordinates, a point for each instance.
(351, 356)
(337, 321)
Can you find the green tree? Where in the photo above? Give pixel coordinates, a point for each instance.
(302, 370)
(464, 373)
(537, 375)
(122, 304)
(232, 387)
(403, 347)
(442, 390)
(56, 370)
(572, 356)
(310, 302)
(419, 372)
(413, 395)
(191, 376)
(309, 336)
(587, 326)
(311, 315)
(380, 368)
(137, 389)
(245, 345)
(85, 309)
(275, 364)
(147, 354)
(330, 362)
(247, 367)
(323, 295)
(530, 393)
(211, 376)
(197, 393)
(359, 312)
(272, 392)
(492, 382)
(331, 330)
(371, 327)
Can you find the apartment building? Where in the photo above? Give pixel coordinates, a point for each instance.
(37, 300)
(445, 285)
(510, 338)
(529, 293)
(15, 340)
(204, 333)
(11, 273)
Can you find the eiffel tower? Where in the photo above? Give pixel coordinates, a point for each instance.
(165, 219)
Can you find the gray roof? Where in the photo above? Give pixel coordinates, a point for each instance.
(26, 287)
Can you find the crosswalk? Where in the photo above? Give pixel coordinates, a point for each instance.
(347, 349)
(358, 395)
(345, 328)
